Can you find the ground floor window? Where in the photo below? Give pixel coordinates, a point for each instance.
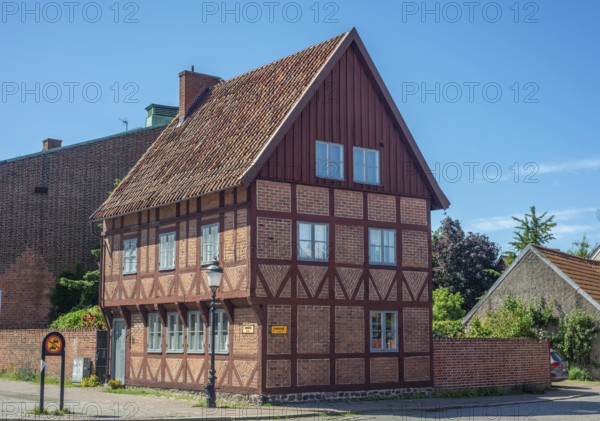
(174, 333)
(221, 332)
(154, 333)
(384, 331)
(195, 333)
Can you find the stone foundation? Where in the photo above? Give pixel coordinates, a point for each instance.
(342, 396)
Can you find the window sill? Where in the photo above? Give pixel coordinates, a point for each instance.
(175, 352)
(366, 183)
(166, 269)
(154, 351)
(383, 351)
(383, 264)
(312, 260)
(196, 352)
(330, 178)
(129, 273)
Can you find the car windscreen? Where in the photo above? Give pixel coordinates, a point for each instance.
(555, 356)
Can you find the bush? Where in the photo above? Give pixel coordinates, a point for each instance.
(448, 329)
(577, 333)
(515, 319)
(85, 318)
(579, 373)
(115, 384)
(91, 381)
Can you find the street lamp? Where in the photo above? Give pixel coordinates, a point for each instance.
(214, 272)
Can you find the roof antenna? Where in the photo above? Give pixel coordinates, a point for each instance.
(125, 122)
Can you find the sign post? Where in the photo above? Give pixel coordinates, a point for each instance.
(53, 345)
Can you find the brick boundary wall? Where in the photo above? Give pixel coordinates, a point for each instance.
(21, 348)
(464, 364)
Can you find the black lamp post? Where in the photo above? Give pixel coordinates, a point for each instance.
(214, 272)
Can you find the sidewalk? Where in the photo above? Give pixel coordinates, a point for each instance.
(17, 400)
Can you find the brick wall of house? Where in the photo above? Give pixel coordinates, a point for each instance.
(490, 363)
(44, 233)
(20, 349)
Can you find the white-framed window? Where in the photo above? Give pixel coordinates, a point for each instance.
(330, 160)
(210, 243)
(195, 333)
(166, 251)
(384, 331)
(174, 333)
(154, 333)
(366, 165)
(382, 246)
(221, 333)
(130, 256)
(312, 241)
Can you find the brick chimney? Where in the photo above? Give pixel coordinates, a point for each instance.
(48, 144)
(191, 85)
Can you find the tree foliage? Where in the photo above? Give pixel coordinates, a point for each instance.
(460, 261)
(90, 317)
(532, 229)
(447, 314)
(583, 248)
(577, 333)
(515, 319)
(76, 289)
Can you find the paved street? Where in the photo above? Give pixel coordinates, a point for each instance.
(572, 401)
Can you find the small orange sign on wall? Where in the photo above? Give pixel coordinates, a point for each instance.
(279, 330)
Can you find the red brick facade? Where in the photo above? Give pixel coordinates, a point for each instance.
(20, 349)
(461, 364)
(45, 232)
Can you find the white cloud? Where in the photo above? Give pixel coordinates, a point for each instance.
(494, 223)
(570, 166)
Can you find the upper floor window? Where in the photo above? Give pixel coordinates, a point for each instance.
(130, 256)
(195, 332)
(174, 333)
(312, 241)
(166, 251)
(221, 332)
(366, 165)
(154, 333)
(330, 160)
(210, 243)
(382, 246)
(384, 331)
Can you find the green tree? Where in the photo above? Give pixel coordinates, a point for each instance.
(532, 229)
(461, 261)
(583, 248)
(447, 314)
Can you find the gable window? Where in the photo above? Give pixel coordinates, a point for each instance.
(154, 333)
(195, 333)
(221, 332)
(330, 160)
(130, 256)
(312, 241)
(166, 251)
(174, 333)
(366, 165)
(210, 243)
(382, 246)
(384, 331)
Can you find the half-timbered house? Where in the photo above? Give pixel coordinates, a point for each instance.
(303, 180)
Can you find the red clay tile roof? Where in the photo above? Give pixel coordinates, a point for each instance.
(584, 272)
(214, 148)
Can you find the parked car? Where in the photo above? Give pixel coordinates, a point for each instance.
(558, 367)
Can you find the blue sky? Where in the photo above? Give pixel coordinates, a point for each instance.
(502, 97)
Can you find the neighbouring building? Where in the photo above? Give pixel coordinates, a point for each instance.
(553, 276)
(303, 180)
(596, 255)
(47, 198)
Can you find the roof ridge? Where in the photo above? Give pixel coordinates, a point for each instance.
(284, 58)
(565, 254)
